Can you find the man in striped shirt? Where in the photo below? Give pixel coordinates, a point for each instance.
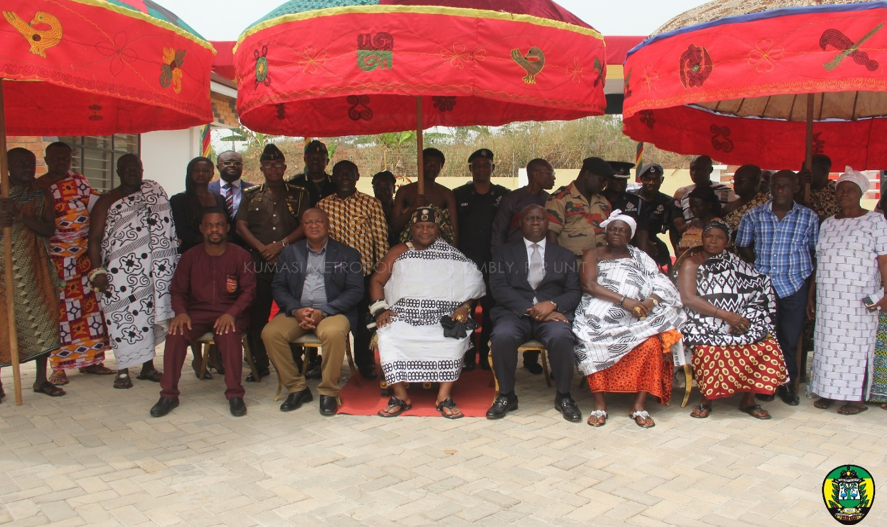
(357, 220)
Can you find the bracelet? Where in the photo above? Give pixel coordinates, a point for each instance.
(378, 307)
(96, 272)
(283, 243)
(655, 302)
(622, 301)
(716, 312)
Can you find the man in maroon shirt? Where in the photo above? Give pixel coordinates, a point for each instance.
(212, 289)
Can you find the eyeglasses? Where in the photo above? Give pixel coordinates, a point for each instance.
(231, 164)
(272, 165)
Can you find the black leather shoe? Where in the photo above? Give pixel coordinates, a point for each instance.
(163, 406)
(534, 367)
(567, 407)
(238, 407)
(484, 365)
(328, 405)
(469, 366)
(295, 400)
(368, 371)
(263, 373)
(767, 398)
(789, 396)
(502, 406)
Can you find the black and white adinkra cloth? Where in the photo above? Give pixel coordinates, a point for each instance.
(426, 285)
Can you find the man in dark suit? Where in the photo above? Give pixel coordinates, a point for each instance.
(536, 288)
(318, 285)
(230, 186)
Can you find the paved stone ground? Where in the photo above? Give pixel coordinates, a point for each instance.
(95, 457)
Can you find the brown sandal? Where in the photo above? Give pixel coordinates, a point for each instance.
(97, 369)
(700, 412)
(59, 378)
(49, 389)
(151, 375)
(122, 381)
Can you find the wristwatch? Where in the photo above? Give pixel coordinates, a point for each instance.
(324, 313)
(552, 302)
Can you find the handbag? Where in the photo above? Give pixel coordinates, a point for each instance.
(457, 330)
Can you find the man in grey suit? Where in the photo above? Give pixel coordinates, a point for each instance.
(318, 285)
(230, 186)
(536, 288)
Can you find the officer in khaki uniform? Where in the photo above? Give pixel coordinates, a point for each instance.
(268, 221)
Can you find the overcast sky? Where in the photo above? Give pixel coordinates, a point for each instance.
(225, 19)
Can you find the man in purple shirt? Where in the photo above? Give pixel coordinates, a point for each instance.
(212, 290)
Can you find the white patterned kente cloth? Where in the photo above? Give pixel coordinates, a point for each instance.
(139, 250)
(846, 332)
(730, 284)
(606, 332)
(425, 286)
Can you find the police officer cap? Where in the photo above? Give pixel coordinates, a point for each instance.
(271, 153)
(622, 169)
(597, 166)
(483, 153)
(315, 146)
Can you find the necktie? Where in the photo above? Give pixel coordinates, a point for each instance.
(229, 199)
(536, 270)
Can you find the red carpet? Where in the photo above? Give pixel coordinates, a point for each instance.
(473, 393)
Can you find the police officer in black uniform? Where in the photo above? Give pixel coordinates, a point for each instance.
(316, 181)
(657, 215)
(268, 220)
(476, 206)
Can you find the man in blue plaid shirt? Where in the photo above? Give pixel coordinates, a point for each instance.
(779, 237)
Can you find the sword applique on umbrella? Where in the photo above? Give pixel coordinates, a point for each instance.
(841, 41)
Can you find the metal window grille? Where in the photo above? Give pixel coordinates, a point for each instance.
(96, 157)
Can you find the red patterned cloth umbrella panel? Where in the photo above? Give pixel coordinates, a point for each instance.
(342, 67)
(99, 67)
(731, 79)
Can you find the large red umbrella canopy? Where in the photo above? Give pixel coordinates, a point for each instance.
(99, 67)
(330, 68)
(730, 79)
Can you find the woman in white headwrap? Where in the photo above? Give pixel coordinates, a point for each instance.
(851, 266)
(626, 323)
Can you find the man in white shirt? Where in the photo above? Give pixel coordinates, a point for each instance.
(230, 186)
(536, 288)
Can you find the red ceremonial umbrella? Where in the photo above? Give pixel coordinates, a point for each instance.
(764, 81)
(343, 67)
(95, 67)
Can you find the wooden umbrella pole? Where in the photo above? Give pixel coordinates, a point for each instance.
(7, 260)
(808, 156)
(420, 162)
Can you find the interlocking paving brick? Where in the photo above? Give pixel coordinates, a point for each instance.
(95, 457)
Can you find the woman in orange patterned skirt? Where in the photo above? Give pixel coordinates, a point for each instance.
(625, 324)
(729, 328)
(84, 338)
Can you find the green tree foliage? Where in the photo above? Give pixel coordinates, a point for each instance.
(563, 143)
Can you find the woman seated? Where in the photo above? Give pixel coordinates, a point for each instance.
(705, 206)
(625, 323)
(728, 328)
(416, 285)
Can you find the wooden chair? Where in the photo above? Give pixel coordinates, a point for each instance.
(207, 341)
(530, 345)
(688, 368)
(310, 341)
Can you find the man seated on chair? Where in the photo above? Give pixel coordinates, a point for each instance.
(536, 288)
(212, 289)
(318, 284)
